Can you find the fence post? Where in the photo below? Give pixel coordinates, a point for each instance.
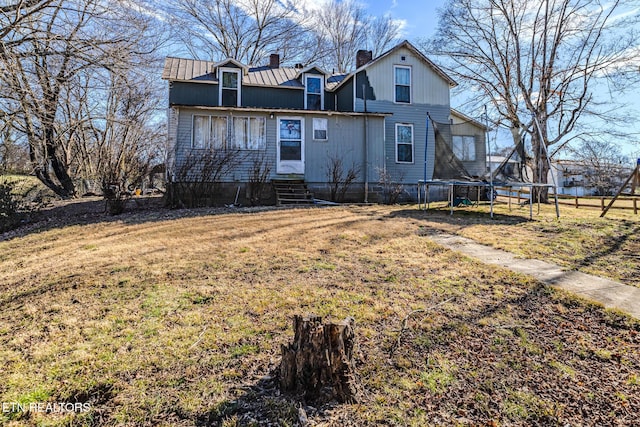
(635, 206)
(601, 203)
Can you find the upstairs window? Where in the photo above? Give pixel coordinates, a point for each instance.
(402, 77)
(314, 93)
(464, 147)
(229, 87)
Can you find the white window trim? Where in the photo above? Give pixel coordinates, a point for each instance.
(193, 131)
(229, 70)
(314, 76)
(232, 136)
(209, 117)
(302, 142)
(472, 139)
(326, 129)
(395, 67)
(413, 154)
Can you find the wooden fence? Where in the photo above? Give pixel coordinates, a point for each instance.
(598, 202)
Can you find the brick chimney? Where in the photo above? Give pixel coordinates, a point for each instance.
(274, 60)
(363, 57)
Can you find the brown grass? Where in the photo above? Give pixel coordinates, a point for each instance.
(155, 319)
(579, 240)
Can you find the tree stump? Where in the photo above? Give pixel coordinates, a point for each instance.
(319, 362)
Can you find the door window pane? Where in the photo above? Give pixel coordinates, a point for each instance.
(290, 150)
(290, 129)
(290, 139)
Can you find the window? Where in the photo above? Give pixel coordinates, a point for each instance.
(229, 79)
(200, 132)
(209, 132)
(248, 133)
(402, 84)
(464, 147)
(314, 93)
(320, 129)
(218, 136)
(404, 143)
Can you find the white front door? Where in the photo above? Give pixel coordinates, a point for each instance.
(290, 145)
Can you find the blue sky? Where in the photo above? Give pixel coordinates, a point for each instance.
(420, 17)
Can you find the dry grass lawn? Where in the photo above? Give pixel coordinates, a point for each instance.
(579, 240)
(176, 318)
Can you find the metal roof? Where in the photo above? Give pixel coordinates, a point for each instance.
(188, 69)
(181, 69)
(266, 76)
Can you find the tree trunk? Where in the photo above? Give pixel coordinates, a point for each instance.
(319, 362)
(540, 170)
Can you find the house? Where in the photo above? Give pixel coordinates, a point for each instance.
(241, 126)
(580, 178)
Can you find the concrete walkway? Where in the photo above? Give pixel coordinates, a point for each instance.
(607, 292)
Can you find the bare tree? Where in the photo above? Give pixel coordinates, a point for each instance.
(343, 27)
(246, 30)
(13, 13)
(538, 63)
(13, 155)
(603, 166)
(59, 42)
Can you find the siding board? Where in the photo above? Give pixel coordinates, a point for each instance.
(195, 94)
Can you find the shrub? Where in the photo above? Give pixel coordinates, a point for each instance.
(339, 179)
(10, 214)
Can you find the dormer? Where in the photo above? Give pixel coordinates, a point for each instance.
(230, 74)
(313, 79)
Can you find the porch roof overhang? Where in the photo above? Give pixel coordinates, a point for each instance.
(283, 111)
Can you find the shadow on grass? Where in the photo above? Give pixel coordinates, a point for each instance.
(258, 404)
(613, 244)
(138, 210)
(459, 218)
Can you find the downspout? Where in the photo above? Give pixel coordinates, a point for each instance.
(366, 143)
